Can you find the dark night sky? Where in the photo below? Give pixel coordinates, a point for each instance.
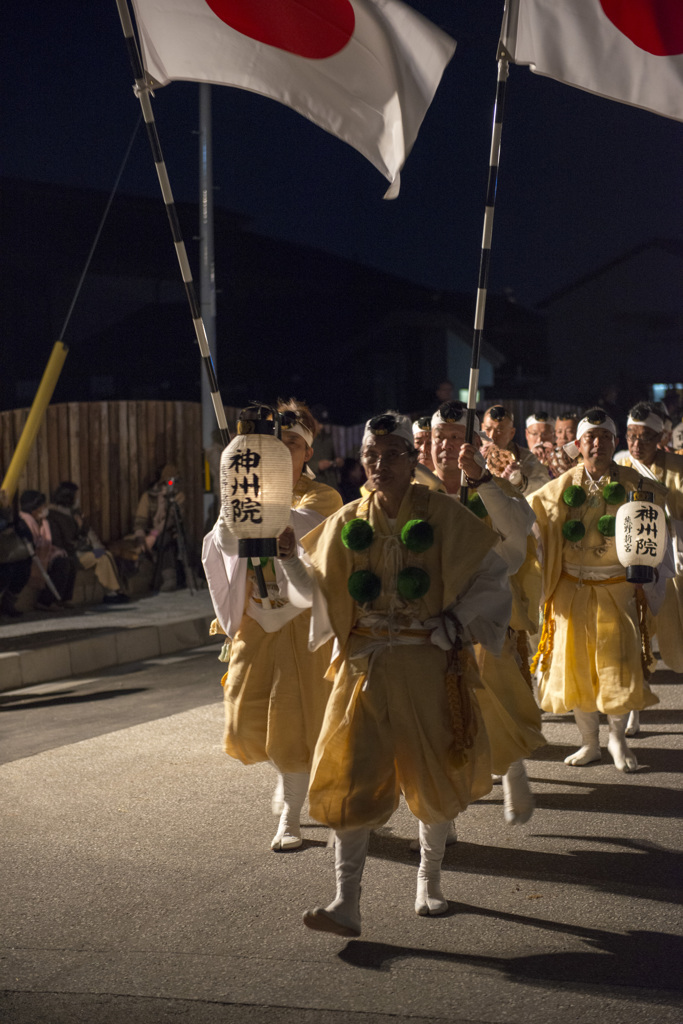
(582, 179)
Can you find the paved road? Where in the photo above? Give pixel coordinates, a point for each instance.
(138, 884)
(39, 718)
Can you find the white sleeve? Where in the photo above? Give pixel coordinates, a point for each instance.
(302, 590)
(655, 592)
(536, 474)
(226, 575)
(224, 540)
(676, 530)
(484, 608)
(512, 518)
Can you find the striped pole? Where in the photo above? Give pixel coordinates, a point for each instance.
(142, 91)
(485, 258)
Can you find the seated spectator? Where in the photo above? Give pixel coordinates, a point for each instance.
(15, 558)
(56, 564)
(155, 531)
(71, 532)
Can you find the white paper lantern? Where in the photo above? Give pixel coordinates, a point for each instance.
(256, 488)
(641, 536)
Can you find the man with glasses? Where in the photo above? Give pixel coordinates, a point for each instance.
(504, 457)
(404, 579)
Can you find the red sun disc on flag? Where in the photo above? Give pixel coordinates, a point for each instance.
(654, 25)
(307, 28)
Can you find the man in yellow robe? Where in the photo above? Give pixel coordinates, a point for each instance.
(404, 579)
(644, 432)
(505, 457)
(507, 698)
(275, 690)
(592, 646)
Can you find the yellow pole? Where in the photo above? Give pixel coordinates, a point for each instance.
(35, 418)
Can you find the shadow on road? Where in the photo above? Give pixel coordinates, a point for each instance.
(643, 869)
(635, 965)
(25, 703)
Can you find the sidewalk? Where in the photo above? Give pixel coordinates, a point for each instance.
(42, 647)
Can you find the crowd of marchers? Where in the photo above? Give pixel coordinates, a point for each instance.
(426, 614)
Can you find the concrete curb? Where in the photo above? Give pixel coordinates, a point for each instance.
(90, 654)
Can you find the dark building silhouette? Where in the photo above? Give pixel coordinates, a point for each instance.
(290, 319)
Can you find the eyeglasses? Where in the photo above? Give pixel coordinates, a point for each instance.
(647, 435)
(388, 458)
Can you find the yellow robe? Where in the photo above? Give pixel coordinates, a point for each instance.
(395, 734)
(511, 715)
(596, 657)
(668, 625)
(275, 691)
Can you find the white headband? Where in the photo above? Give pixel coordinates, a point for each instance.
(652, 420)
(572, 447)
(438, 419)
(585, 424)
(531, 421)
(301, 430)
(417, 429)
(389, 423)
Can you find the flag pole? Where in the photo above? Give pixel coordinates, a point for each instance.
(142, 90)
(485, 258)
(40, 403)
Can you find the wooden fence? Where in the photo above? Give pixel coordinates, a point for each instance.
(113, 451)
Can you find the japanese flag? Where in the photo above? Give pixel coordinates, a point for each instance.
(364, 70)
(626, 50)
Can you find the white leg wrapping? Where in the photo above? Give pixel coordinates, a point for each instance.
(518, 800)
(342, 916)
(589, 727)
(622, 755)
(451, 838)
(633, 727)
(295, 788)
(429, 900)
(277, 802)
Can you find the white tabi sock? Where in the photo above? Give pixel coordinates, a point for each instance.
(518, 800)
(622, 755)
(633, 727)
(295, 788)
(342, 916)
(589, 727)
(430, 901)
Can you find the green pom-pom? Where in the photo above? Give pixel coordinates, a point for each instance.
(264, 561)
(412, 583)
(364, 586)
(606, 525)
(417, 535)
(573, 531)
(614, 494)
(476, 505)
(574, 496)
(357, 534)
